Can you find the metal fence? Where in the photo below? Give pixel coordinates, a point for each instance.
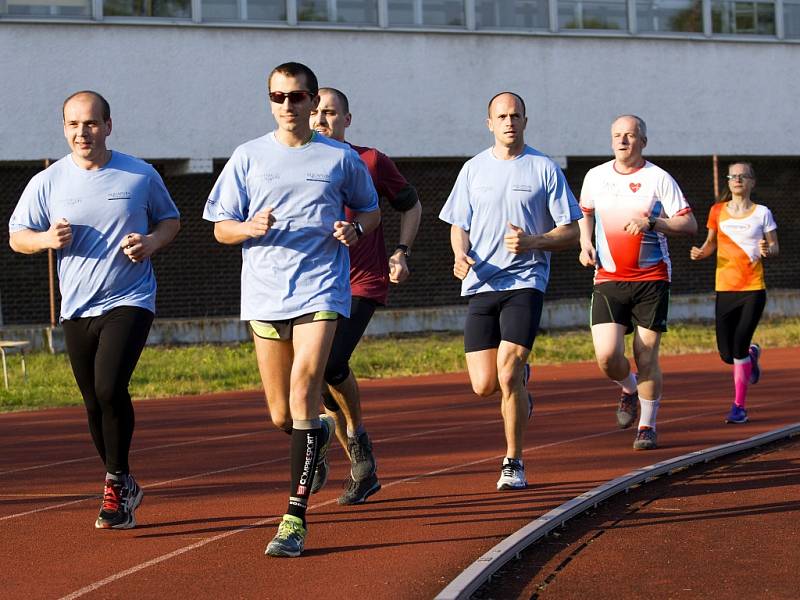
(197, 277)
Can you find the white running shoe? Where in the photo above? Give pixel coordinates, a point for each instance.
(512, 475)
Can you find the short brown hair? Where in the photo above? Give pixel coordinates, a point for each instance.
(340, 95)
(293, 69)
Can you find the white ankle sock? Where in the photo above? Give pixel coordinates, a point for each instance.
(648, 411)
(628, 384)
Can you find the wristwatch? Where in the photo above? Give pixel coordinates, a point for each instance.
(358, 227)
(404, 249)
(651, 223)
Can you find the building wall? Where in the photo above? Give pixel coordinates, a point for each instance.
(192, 92)
(198, 277)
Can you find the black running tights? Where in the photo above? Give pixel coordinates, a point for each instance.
(104, 351)
(738, 314)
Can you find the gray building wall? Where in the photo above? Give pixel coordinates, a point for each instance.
(195, 92)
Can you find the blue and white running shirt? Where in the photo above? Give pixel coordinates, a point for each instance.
(104, 205)
(298, 267)
(529, 191)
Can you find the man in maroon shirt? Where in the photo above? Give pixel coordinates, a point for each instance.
(370, 274)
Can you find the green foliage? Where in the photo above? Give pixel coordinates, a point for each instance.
(174, 371)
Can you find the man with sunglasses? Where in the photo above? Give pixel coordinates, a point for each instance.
(631, 206)
(509, 209)
(282, 197)
(370, 275)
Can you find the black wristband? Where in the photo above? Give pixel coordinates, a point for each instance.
(404, 249)
(358, 227)
(651, 223)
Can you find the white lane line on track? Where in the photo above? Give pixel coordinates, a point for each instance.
(149, 485)
(148, 449)
(382, 440)
(202, 440)
(274, 519)
(168, 482)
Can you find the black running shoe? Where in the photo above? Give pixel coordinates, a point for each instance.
(627, 409)
(357, 492)
(646, 439)
(362, 461)
(120, 500)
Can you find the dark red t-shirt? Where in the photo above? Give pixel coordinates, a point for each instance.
(369, 265)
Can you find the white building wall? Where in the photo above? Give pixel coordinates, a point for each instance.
(183, 91)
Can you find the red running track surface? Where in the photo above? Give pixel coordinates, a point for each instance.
(215, 475)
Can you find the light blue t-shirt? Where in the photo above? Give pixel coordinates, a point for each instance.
(298, 267)
(126, 196)
(529, 191)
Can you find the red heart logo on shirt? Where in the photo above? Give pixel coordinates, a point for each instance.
(635, 187)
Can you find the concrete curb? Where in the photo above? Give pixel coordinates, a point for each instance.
(474, 576)
(557, 314)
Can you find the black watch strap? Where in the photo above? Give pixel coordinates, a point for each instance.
(358, 227)
(404, 249)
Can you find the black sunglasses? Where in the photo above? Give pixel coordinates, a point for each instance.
(294, 97)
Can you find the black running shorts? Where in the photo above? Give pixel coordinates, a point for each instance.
(631, 303)
(511, 316)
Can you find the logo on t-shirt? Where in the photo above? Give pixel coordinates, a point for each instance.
(119, 195)
(634, 187)
(735, 227)
(522, 188)
(268, 177)
(323, 177)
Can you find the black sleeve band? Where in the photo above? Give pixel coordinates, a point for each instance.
(405, 199)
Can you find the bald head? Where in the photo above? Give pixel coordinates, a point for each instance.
(105, 108)
(628, 140)
(633, 121)
(507, 123)
(507, 96)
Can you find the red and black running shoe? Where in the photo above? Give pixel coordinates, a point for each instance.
(120, 500)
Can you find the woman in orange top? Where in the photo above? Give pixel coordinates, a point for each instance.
(743, 233)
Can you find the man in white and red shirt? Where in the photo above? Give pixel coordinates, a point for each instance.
(631, 206)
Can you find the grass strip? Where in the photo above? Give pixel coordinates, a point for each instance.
(182, 370)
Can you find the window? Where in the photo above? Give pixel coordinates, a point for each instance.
(755, 18)
(438, 13)
(45, 8)
(669, 15)
(593, 14)
(512, 14)
(791, 19)
(251, 10)
(358, 12)
(181, 9)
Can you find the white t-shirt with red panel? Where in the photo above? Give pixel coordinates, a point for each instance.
(614, 199)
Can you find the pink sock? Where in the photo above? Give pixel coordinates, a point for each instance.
(742, 367)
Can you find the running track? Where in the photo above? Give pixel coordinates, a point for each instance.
(215, 479)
